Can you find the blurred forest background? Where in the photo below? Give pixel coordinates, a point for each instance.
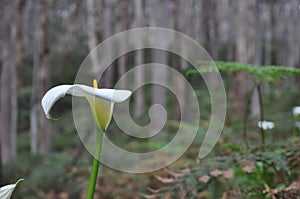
(43, 43)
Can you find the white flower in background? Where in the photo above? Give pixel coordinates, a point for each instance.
(101, 100)
(7, 191)
(296, 111)
(265, 125)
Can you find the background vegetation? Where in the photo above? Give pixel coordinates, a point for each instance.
(44, 42)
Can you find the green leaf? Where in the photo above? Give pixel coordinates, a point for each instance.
(7, 191)
(270, 74)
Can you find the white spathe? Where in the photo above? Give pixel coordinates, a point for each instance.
(265, 125)
(296, 110)
(101, 100)
(7, 191)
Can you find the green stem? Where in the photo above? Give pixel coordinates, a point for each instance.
(94, 174)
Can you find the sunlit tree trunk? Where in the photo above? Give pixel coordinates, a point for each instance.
(254, 49)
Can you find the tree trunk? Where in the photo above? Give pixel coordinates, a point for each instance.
(231, 34)
(254, 49)
(197, 26)
(269, 34)
(294, 34)
(5, 108)
(139, 98)
(91, 32)
(9, 106)
(279, 11)
(45, 138)
(107, 32)
(122, 61)
(214, 19)
(13, 106)
(160, 15)
(34, 100)
(70, 36)
(241, 55)
(19, 33)
(183, 23)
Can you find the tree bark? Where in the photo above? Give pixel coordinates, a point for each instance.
(241, 55)
(13, 106)
(160, 15)
(5, 109)
(45, 138)
(294, 46)
(139, 98)
(107, 32)
(269, 34)
(9, 106)
(91, 32)
(34, 99)
(254, 49)
(231, 34)
(122, 61)
(280, 30)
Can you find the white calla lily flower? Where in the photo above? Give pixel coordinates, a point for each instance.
(265, 125)
(101, 101)
(7, 191)
(296, 111)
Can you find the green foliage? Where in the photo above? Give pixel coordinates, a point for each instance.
(262, 172)
(239, 175)
(270, 74)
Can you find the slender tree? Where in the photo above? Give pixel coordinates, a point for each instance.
(107, 32)
(92, 35)
(160, 16)
(254, 49)
(34, 99)
(9, 106)
(45, 132)
(139, 97)
(124, 24)
(241, 55)
(269, 12)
